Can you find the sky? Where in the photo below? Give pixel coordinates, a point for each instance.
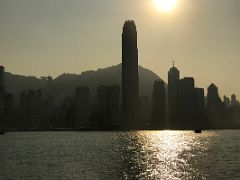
(49, 37)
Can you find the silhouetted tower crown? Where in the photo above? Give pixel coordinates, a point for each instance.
(173, 74)
(214, 107)
(213, 90)
(233, 98)
(129, 38)
(130, 81)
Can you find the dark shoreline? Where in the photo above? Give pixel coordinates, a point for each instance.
(106, 130)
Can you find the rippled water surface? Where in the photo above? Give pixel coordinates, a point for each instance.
(120, 155)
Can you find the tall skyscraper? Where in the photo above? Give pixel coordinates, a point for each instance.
(130, 81)
(173, 83)
(158, 118)
(2, 98)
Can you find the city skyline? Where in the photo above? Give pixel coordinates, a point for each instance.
(184, 107)
(45, 38)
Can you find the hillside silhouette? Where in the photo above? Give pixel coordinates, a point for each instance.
(65, 84)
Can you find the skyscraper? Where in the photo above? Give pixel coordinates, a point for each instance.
(158, 118)
(186, 103)
(130, 81)
(173, 83)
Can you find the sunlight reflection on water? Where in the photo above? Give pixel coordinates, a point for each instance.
(166, 154)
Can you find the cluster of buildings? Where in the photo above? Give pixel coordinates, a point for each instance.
(178, 105)
(190, 109)
(77, 111)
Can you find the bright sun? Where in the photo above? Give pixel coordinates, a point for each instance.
(165, 5)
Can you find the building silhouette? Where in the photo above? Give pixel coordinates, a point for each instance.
(130, 81)
(144, 110)
(186, 103)
(231, 112)
(234, 100)
(214, 108)
(108, 106)
(2, 99)
(158, 115)
(200, 115)
(186, 106)
(65, 113)
(226, 101)
(82, 105)
(32, 108)
(9, 111)
(173, 88)
(49, 91)
(33, 111)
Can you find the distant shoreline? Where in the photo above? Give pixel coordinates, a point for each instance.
(106, 130)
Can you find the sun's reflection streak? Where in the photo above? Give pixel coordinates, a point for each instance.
(164, 154)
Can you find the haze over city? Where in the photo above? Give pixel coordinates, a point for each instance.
(51, 37)
(128, 89)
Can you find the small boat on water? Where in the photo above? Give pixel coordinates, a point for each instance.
(2, 132)
(198, 131)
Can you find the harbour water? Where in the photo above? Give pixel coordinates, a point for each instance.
(120, 155)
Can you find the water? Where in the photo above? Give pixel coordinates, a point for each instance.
(120, 155)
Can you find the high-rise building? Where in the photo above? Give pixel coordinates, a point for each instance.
(82, 105)
(173, 83)
(108, 105)
(158, 117)
(186, 106)
(9, 111)
(2, 99)
(200, 118)
(214, 107)
(49, 92)
(130, 81)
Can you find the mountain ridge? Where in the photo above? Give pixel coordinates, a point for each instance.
(66, 83)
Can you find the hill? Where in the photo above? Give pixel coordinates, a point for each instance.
(65, 84)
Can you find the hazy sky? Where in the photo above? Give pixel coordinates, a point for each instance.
(49, 37)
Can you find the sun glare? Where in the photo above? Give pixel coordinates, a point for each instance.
(165, 5)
